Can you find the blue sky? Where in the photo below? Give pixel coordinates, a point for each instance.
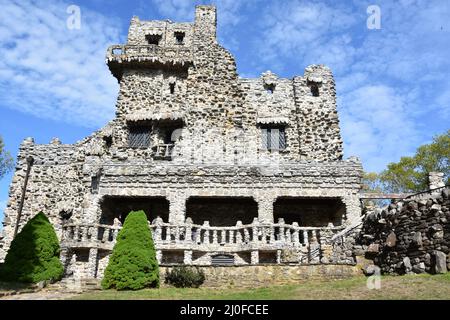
(393, 83)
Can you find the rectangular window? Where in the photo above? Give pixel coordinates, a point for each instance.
(273, 138)
(139, 137)
(179, 37)
(153, 39)
(95, 182)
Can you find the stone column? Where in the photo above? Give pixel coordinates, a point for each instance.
(177, 208)
(187, 257)
(254, 258)
(92, 263)
(352, 209)
(159, 256)
(265, 208)
(436, 180)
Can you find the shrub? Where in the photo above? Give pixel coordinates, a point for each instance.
(185, 277)
(133, 263)
(34, 254)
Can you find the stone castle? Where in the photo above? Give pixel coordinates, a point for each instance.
(230, 171)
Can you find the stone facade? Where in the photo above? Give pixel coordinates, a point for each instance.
(190, 136)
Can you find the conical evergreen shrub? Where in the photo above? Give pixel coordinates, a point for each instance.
(133, 264)
(34, 254)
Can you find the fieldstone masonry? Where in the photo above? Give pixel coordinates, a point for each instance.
(411, 235)
(188, 129)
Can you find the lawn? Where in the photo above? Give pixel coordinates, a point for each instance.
(392, 287)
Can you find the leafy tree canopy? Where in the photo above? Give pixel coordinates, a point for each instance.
(410, 174)
(6, 161)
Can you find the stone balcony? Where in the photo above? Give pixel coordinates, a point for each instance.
(163, 151)
(120, 56)
(308, 242)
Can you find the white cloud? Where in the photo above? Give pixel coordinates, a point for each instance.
(376, 125)
(53, 72)
(310, 32)
(390, 82)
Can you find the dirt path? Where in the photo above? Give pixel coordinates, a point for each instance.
(41, 295)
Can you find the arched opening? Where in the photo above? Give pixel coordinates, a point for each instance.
(221, 211)
(309, 212)
(120, 206)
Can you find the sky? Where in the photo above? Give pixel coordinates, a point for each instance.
(392, 78)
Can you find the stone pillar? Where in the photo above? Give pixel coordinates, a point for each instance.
(352, 209)
(187, 257)
(278, 256)
(254, 258)
(92, 263)
(177, 208)
(265, 209)
(159, 256)
(63, 256)
(436, 180)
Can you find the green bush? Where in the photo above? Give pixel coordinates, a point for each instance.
(185, 277)
(34, 254)
(133, 263)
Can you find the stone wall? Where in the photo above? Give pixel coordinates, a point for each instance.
(258, 276)
(411, 235)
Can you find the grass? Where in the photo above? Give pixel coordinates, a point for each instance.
(419, 287)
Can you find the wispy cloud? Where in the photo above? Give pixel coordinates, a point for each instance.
(50, 71)
(376, 123)
(389, 81)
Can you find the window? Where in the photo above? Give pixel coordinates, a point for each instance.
(95, 182)
(314, 90)
(179, 37)
(222, 259)
(172, 88)
(273, 138)
(270, 88)
(153, 39)
(139, 137)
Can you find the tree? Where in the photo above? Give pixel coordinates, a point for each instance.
(6, 161)
(133, 263)
(371, 183)
(34, 254)
(410, 174)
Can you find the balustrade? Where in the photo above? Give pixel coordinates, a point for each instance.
(209, 238)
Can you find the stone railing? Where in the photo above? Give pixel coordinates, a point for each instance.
(167, 236)
(163, 151)
(141, 53)
(89, 235)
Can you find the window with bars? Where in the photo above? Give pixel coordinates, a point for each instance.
(222, 259)
(139, 137)
(273, 138)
